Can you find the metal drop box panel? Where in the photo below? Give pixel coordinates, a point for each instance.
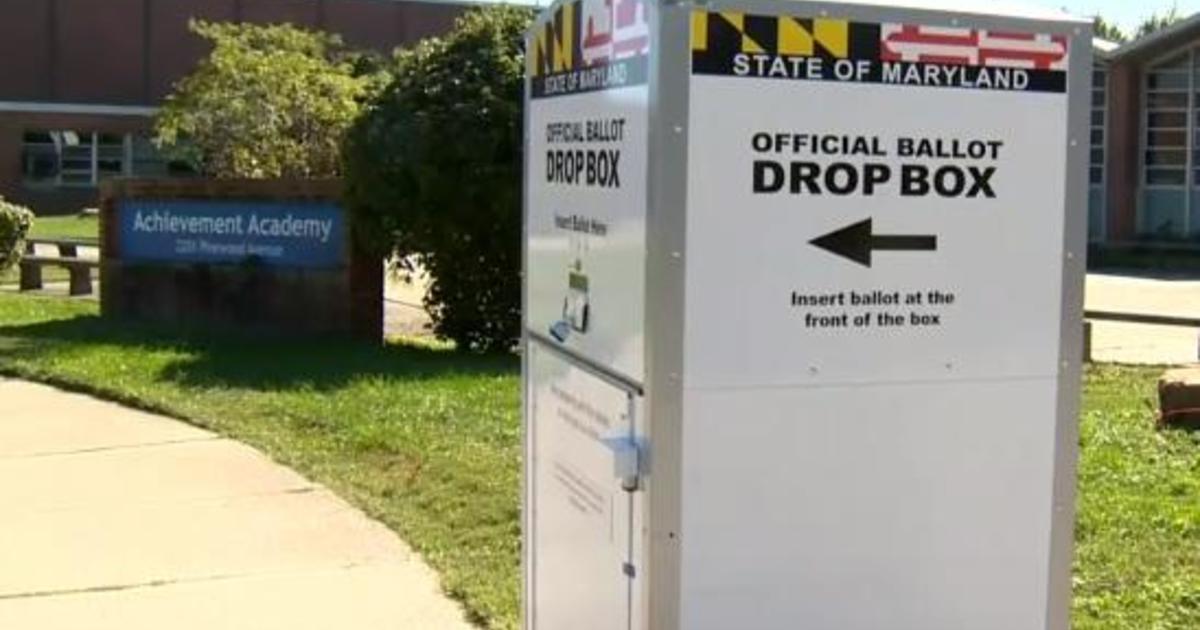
(820, 265)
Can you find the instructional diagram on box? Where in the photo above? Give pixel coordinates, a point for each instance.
(586, 180)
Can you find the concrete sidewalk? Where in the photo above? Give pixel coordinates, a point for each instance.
(113, 519)
(1139, 343)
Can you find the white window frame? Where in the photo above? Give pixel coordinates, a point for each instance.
(1100, 67)
(93, 173)
(1189, 129)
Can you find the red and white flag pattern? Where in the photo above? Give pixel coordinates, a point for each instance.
(973, 47)
(613, 30)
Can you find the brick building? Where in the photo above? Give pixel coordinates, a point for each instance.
(1145, 165)
(80, 79)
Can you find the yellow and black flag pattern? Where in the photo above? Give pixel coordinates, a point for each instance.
(719, 36)
(781, 35)
(555, 45)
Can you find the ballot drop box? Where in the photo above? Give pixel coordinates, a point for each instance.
(803, 290)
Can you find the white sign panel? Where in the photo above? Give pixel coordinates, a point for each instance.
(581, 515)
(883, 217)
(586, 169)
(586, 181)
(875, 239)
(916, 507)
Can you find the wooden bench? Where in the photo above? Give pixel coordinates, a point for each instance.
(80, 269)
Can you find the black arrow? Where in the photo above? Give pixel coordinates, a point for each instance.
(857, 242)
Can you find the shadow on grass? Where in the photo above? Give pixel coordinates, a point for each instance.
(210, 359)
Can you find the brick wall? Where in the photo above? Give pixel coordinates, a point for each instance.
(130, 52)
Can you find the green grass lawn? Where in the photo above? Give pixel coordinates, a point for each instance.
(1137, 561)
(422, 438)
(427, 441)
(71, 226)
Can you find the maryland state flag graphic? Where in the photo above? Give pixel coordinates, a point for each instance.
(737, 44)
(717, 38)
(589, 45)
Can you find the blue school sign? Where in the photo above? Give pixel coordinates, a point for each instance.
(300, 234)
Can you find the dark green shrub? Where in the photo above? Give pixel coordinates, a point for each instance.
(433, 173)
(15, 222)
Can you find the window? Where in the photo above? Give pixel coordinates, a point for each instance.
(85, 158)
(110, 155)
(40, 160)
(148, 161)
(1099, 117)
(72, 158)
(1168, 108)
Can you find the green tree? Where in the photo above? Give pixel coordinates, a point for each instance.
(433, 172)
(15, 222)
(268, 101)
(1158, 21)
(1108, 31)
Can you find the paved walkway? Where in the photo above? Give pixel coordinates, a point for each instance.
(113, 519)
(403, 305)
(1137, 343)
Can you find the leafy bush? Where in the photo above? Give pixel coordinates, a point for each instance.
(269, 101)
(15, 222)
(433, 173)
